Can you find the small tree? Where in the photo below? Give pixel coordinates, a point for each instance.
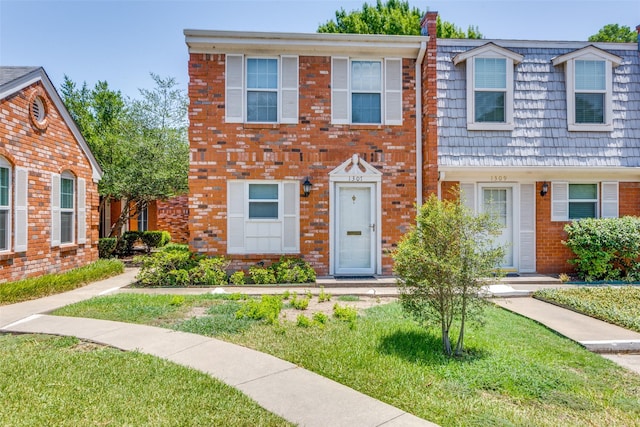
(443, 262)
(615, 33)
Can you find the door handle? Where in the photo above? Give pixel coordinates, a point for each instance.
(373, 227)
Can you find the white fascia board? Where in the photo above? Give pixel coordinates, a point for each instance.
(588, 50)
(204, 41)
(541, 44)
(486, 48)
(20, 83)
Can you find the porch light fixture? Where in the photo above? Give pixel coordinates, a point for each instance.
(306, 187)
(545, 189)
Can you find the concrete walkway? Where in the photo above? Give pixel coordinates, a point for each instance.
(300, 396)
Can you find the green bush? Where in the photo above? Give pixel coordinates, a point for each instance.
(126, 242)
(237, 278)
(166, 238)
(158, 269)
(175, 247)
(293, 270)
(345, 314)
(303, 321)
(299, 303)
(267, 309)
(152, 239)
(605, 248)
(320, 318)
(323, 296)
(262, 275)
(107, 247)
(209, 272)
(49, 284)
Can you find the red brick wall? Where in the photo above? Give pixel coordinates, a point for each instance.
(551, 254)
(42, 152)
(173, 216)
(430, 111)
(313, 147)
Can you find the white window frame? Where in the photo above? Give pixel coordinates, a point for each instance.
(4, 164)
(236, 90)
(353, 91)
(489, 51)
(66, 175)
(143, 219)
(391, 90)
(248, 89)
(589, 53)
(606, 202)
(242, 230)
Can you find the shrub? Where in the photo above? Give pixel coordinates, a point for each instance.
(209, 272)
(299, 304)
(237, 278)
(160, 268)
(267, 309)
(126, 242)
(175, 247)
(303, 321)
(345, 314)
(262, 275)
(166, 238)
(107, 247)
(320, 318)
(605, 248)
(293, 270)
(152, 239)
(322, 296)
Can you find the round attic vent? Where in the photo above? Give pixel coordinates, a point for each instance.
(38, 111)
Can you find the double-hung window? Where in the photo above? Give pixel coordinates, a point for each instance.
(490, 86)
(589, 83)
(571, 201)
(366, 91)
(5, 205)
(67, 208)
(263, 217)
(143, 219)
(261, 89)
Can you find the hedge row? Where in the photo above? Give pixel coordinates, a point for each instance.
(110, 246)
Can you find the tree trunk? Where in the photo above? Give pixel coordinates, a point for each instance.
(446, 341)
(460, 343)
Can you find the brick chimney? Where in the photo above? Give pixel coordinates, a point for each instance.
(429, 108)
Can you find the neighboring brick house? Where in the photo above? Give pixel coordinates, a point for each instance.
(170, 215)
(271, 111)
(541, 133)
(48, 180)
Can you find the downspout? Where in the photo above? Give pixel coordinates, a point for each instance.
(419, 168)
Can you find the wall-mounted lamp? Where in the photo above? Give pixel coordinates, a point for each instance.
(545, 189)
(306, 187)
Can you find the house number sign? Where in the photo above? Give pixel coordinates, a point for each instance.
(355, 179)
(498, 178)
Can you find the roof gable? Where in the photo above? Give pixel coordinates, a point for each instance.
(588, 51)
(14, 79)
(489, 48)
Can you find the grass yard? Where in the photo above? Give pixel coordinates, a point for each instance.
(619, 305)
(55, 381)
(517, 372)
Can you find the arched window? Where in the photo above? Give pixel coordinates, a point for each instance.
(5, 205)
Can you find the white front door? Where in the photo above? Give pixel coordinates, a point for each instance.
(355, 229)
(499, 202)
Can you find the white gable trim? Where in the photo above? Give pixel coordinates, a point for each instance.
(355, 170)
(488, 49)
(589, 51)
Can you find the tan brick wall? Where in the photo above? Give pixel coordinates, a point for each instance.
(313, 147)
(173, 216)
(42, 152)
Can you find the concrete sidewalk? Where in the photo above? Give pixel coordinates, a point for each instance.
(298, 395)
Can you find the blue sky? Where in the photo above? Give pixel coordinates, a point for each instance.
(123, 41)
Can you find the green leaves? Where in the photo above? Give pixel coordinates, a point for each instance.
(615, 33)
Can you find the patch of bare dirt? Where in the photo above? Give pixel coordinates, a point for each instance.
(326, 307)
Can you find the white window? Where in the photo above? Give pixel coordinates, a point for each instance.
(490, 86)
(5, 205)
(143, 219)
(68, 209)
(583, 200)
(589, 82)
(263, 217)
(366, 91)
(261, 89)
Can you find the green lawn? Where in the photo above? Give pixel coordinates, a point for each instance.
(54, 381)
(619, 305)
(517, 372)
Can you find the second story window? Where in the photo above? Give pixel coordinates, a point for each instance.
(490, 86)
(589, 88)
(262, 90)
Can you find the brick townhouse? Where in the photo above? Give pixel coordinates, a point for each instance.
(48, 180)
(341, 113)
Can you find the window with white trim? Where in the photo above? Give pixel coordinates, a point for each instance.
(366, 91)
(261, 89)
(5, 205)
(263, 217)
(490, 86)
(589, 85)
(67, 208)
(572, 201)
(143, 219)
